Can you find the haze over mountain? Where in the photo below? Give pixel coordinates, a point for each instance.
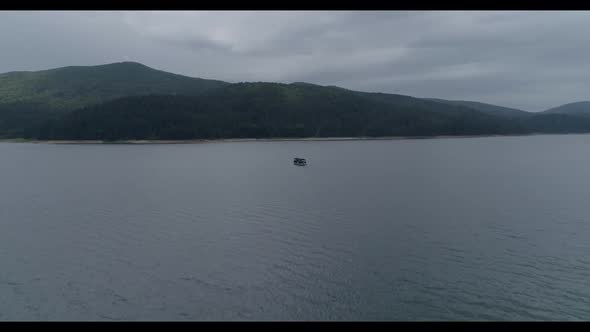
(131, 101)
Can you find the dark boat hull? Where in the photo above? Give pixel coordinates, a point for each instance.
(299, 162)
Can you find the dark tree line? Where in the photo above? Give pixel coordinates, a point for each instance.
(264, 110)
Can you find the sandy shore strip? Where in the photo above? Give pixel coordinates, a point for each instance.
(311, 139)
(225, 140)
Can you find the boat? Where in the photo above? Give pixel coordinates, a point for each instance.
(299, 161)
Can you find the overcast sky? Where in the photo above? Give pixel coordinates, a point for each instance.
(528, 60)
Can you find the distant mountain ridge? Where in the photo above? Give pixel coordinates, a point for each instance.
(129, 100)
(577, 108)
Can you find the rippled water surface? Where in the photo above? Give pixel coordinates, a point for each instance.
(429, 229)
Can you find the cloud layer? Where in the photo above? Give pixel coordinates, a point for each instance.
(527, 60)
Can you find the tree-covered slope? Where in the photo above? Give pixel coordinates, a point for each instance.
(578, 108)
(131, 101)
(487, 108)
(271, 110)
(74, 87)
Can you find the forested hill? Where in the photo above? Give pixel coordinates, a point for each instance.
(488, 108)
(78, 86)
(261, 110)
(579, 108)
(131, 101)
(28, 99)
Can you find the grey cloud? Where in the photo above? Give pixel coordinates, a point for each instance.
(529, 60)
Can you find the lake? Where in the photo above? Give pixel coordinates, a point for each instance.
(491, 228)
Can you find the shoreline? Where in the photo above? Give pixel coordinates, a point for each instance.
(278, 139)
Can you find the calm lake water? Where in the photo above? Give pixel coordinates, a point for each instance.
(493, 228)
